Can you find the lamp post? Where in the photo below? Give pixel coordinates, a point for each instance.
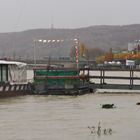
(76, 45)
(34, 48)
(77, 52)
(34, 53)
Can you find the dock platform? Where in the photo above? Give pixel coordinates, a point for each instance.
(114, 78)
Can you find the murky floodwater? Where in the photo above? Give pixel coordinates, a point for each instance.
(68, 118)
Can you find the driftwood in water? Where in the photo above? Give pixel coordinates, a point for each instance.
(108, 106)
(138, 103)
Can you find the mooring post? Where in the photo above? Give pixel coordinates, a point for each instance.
(88, 75)
(131, 77)
(101, 77)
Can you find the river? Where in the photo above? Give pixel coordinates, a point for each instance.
(68, 118)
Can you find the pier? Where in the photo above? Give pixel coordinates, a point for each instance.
(109, 78)
(104, 78)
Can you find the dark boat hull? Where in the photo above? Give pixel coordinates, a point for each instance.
(40, 89)
(7, 90)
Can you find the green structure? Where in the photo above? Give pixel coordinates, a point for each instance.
(59, 77)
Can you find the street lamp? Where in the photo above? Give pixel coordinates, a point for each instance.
(76, 45)
(77, 52)
(34, 54)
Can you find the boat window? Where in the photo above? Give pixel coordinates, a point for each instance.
(0, 73)
(3, 73)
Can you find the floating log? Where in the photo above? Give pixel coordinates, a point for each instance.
(138, 103)
(108, 106)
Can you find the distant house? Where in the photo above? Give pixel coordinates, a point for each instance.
(134, 46)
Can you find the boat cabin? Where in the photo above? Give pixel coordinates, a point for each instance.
(13, 72)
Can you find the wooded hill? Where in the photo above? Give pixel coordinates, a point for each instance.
(96, 38)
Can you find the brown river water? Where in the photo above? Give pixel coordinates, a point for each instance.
(68, 118)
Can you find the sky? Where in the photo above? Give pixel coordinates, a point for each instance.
(20, 15)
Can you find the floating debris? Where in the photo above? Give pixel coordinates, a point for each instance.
(108, 106)
(110, 131)
(99, 130)
(105, 131)
(92, 129)
(138, 103)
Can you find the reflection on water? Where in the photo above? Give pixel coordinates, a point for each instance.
(68, 118)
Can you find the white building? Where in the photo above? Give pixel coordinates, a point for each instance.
(134, 46)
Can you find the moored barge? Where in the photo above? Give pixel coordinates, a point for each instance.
(60, 81)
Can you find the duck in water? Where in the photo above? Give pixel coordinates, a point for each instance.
(105, 131)
(99, 129)
(110, 131)
(92, 129)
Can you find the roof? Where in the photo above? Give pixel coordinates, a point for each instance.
(20, 64)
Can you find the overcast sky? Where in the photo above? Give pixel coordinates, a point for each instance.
(18, 15)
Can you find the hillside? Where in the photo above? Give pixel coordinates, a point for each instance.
(20, 44)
